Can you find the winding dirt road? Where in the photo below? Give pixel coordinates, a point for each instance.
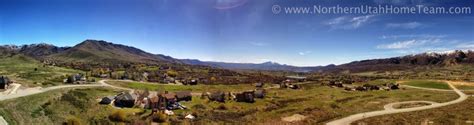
(31, 91)
(390, 110)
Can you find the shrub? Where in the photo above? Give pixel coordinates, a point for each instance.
(159, 117)
(222, 107)
(73, 121)
(172, 73)
(199, 107)
(118, 116)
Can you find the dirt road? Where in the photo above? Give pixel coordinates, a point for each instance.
(16, 93)
(355, 117)
(37, 90)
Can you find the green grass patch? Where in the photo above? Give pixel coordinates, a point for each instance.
(428, 84)
(194, 88)
(22, 69)
(465, 87)
(57, 106)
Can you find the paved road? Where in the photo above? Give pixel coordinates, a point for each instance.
(355, 117)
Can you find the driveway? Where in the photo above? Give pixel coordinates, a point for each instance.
(360, 116)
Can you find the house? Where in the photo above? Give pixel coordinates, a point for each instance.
(191, 82)
(295, 86)
(349, 87)
(104, 75)
(183, 96)
(283, 85)
(217, 96)
(143, 103)
(259, 85)
(4, 82)
(296, 78)
(125, 100)
(79, 77)
(169, 79)
(371, 87)
(107, 100)
(157, 103)
(260, 93)
(247, 96)
(170, 97)
(393, 86)
(360, 88)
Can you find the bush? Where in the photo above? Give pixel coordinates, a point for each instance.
(118, 116)
(222, 107)
(199, 107)
(72, 121)
(159, 117)
(172, 73)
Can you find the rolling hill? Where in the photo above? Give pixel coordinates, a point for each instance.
(442, 59)
(98, 50)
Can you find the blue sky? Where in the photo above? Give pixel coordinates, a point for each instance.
(240, 30)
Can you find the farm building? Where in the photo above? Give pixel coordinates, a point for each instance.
(125, 100)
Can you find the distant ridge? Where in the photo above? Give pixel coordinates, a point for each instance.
(99, 51)
(252, 66)
(448, 58)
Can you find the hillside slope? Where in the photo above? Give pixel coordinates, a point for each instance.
(102, 51)
(451, 58)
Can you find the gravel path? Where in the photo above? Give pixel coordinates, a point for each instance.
(348, 120)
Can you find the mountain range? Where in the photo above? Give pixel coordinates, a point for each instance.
(102, 51)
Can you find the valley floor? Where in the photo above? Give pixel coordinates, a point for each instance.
(318, 104)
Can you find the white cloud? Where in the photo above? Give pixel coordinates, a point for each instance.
(407, 44)
(410, 25)
(258, 43)
(418, 36)
(304, 53)
(346, 22)
(426, 44)
(469, 45)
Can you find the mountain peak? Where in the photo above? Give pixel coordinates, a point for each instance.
(93, 42)
(270, 63)
(100, 50)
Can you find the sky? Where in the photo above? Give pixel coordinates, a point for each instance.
(243, 31)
